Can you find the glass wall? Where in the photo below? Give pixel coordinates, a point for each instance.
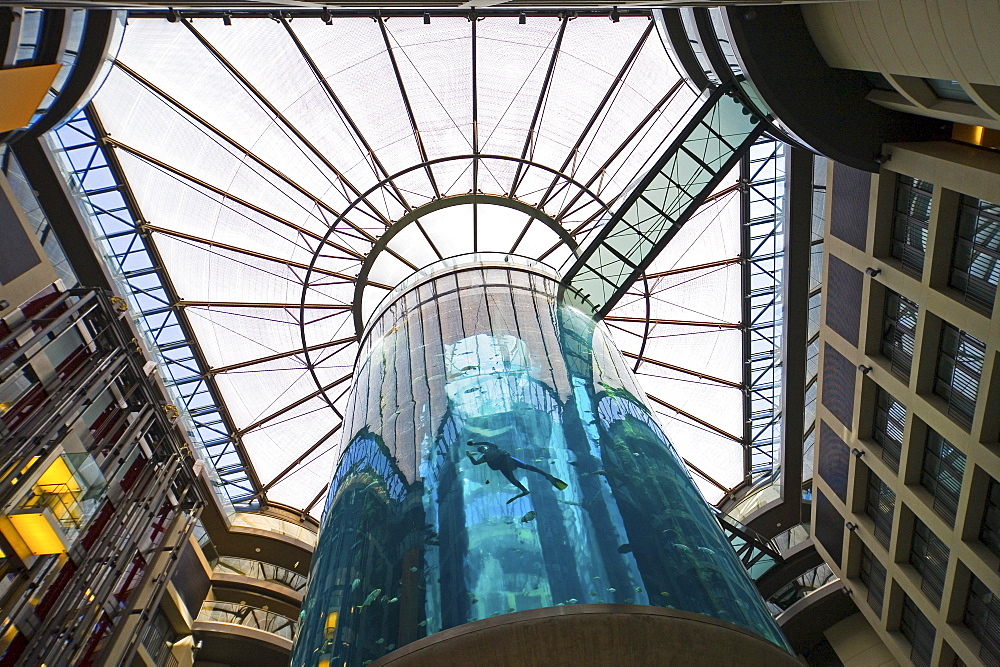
(498, 457)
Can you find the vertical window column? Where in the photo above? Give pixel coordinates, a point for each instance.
(890, 417)
(941, 474)
(989, 529)
(873, 576)
(959, 367)
(982, 617)
(919, 632)
(910, 222)
(975, 268)
(899, 332)
(929, 556)
(880, 504)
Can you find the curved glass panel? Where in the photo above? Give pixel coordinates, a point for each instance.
(498, 458)
(247, 616)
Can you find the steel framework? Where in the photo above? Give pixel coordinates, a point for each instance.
(117, 225)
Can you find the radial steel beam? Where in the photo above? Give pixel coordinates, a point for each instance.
(291, 406)
(240, 148)
(236, 74)
(319, 496)
(689, 323)
(539, 105)
(566, 209)
(681, 369)
(708, 147)
(245, 304)
(697, 420)
(598, 111)
(280, 355)
(216, 190)
(346, 277)
(696, 267)
(377, 166)
(302, 457)
(409, 109)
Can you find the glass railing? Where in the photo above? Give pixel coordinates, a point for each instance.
(800, 587)
(247, 567)
(259, 618)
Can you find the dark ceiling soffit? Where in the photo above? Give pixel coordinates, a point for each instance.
(682, 47)
(780, 58)
(98, 32)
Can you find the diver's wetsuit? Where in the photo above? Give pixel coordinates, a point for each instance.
(498, 459)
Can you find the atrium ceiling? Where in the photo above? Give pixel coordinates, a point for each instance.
(289, 173)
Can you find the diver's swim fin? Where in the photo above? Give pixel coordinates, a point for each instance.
(558, 483)
(520, 495)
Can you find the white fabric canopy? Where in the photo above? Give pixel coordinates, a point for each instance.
(241, 160)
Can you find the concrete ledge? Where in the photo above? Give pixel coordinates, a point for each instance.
(230, 632)
(600, 634)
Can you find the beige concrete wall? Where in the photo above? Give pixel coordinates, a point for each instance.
(954, 169)
(910, 40)
(858, 645)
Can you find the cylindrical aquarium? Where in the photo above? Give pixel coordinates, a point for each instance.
(499, 456)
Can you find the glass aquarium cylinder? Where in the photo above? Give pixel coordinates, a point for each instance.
(499, 456)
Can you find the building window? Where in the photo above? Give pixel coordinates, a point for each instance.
(919, 632)
(982, 616)
(975, 264)
(873, 576)
(960, 364)
(159, 637)
(899, 332)
(929, 556)
(989, 529)
(909, 225)
(941, 474)
(880, 503)
(890, 415)
(948, 90)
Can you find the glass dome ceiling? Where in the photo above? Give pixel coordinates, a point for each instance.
(290, 173)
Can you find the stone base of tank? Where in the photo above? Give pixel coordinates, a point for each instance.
(598, 634)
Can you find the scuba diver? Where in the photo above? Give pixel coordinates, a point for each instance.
(498, 459)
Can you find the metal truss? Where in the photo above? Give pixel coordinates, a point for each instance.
(763, 244)
(97, 178)
(707, 149)
(757, 553)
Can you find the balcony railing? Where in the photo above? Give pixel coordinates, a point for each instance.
(248, 617)
(259, 570)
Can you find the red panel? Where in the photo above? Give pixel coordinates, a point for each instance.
(72, 362)
(11, 347)
(97, 526)
(14, 650)
(25, 407)
(39, 302)
(96, 642)
(130, 580)
(56, 589)
(132, 474)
